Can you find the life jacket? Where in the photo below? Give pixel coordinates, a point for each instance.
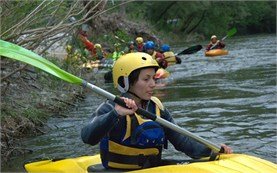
(217, 45)
(99, 55)
(140, 146)
(140, 47)
(159, 57)
(170, 57)
(116, 55)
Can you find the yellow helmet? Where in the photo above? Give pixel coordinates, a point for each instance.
(98, 46)
(128, 63)
(68, 48)
(139, 39)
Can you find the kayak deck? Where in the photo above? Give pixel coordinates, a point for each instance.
(234, 163)
(216, 52)
(231, 163)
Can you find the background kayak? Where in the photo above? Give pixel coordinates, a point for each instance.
(232, 163)
(216, 52)
(98, 64)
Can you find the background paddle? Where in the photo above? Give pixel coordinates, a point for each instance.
(230, 33)
(190, 50)
(123, 41)
(21, 54)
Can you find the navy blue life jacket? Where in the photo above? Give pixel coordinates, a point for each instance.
(141, 143)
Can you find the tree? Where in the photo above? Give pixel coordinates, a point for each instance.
(44, 22)
(208, 17)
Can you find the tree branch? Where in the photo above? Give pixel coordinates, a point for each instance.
(166, 9)
(199, 21)
(25, 34)
(13, 72)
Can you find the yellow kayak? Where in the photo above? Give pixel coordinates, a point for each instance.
(227, 163)
(97, 64)
(216, 52)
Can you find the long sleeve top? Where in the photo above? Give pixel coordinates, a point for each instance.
(219, 45)
(106, 121)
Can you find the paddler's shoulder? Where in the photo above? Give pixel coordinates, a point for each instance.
(104, 107)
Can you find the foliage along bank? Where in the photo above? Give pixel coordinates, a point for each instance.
(206, 18)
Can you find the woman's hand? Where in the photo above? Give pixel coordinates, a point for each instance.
(227, 150)
(125, 111)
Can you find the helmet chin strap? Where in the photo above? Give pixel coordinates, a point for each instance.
(134, 95)
(126, 87)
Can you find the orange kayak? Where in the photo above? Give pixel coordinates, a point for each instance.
(216, 52)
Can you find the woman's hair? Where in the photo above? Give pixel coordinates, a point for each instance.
(133, 77)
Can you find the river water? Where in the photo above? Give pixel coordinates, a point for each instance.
(229, 99)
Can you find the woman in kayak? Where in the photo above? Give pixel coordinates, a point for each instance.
(128, 140)
(215, 44)
(169, 56)
(139, 46)
(117, 52)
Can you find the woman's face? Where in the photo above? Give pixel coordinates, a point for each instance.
(150, 51)
(145, 84)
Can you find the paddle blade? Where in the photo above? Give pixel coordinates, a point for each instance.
(16, 52)
(191, 50)
(232, 32)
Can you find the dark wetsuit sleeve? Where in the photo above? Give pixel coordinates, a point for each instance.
(183, 143)
(208, 47)
(221, 45)
(105, 117)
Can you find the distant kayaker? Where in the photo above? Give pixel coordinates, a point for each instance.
(170, 57)
(130, 48)
(100, 54)
(117, 53)
(215, 44)
(139, 46)
(159, 57)
(127, 139)
(88, 44)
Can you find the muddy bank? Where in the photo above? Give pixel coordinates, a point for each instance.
(28, 97)
(104, 29)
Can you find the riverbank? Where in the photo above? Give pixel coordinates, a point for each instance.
(28, 98)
